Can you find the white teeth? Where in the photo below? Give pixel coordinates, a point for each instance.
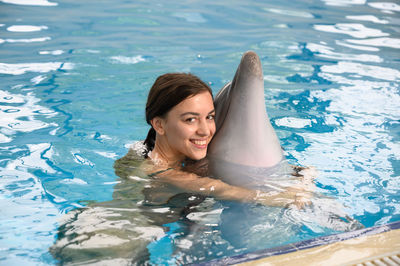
(200, 142)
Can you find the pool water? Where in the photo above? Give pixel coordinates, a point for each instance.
(75, 76)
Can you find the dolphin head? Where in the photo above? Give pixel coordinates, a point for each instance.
(244, 134)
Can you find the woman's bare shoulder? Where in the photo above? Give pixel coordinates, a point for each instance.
(130, 163)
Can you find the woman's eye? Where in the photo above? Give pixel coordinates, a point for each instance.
(190, 119)
(211, 117)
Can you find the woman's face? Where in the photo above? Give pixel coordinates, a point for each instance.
(189, 126)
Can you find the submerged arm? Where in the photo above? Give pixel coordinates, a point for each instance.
(206, 186)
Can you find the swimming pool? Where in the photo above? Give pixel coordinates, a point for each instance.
(75, 76)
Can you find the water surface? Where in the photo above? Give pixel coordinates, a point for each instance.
(75, 76)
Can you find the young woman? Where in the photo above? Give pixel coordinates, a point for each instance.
(159, 187)
(181, 113)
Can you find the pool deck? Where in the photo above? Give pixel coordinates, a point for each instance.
(379, 245)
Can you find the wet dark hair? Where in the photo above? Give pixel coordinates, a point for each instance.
(168, 91)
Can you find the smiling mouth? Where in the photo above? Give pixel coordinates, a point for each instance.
(199, 143)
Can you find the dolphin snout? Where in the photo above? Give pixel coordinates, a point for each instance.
(251, 62)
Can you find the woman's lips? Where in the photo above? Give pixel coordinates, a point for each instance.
(201, 144)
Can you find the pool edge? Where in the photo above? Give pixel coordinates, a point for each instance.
(261, 255)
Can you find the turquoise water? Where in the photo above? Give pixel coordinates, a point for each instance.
(75, 76)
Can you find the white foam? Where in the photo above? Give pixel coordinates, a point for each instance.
(26, 28)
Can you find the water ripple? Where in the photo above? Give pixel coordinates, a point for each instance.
(30, 2)
(344, 2)
(127, 60)
(384, 42)
(26, 28)
(386, 6)
(377, 72)
(295, 13)
(22, 68)
(327, 52)
(40, 39)
(332, 93)
(353, 29)
(368, 18)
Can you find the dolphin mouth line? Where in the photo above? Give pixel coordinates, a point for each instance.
(222, 118)
(244, 134)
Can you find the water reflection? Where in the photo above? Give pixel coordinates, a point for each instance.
(385, 6)
(30, 2)
(20, 114)
(368, 18)
(149, 220)
(344, 2)
(327, 52)
(384, 42)
(40, 39)
(121, 229)
(332, 90)
(26, 28)
(22, 68)
(353, 29)
(358, 69)
(357, 47)
(287, 12)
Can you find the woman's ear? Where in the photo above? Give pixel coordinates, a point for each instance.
(158, 125)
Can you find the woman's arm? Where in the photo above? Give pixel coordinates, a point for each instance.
(192, 183)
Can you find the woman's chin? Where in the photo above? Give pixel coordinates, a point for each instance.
(197, 156)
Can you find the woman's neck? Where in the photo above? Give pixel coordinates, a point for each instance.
(161, 157)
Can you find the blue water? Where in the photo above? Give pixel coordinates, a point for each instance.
(75, 76)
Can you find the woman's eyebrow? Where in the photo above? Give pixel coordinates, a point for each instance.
(190, 113)
(196, 114)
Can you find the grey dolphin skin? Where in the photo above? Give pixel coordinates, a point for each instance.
(246, 152)
(245, 149)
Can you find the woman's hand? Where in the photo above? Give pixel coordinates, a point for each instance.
(298, 197)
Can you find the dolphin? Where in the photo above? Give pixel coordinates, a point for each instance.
(245, 149)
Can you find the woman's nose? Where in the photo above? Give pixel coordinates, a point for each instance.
(204, 128)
